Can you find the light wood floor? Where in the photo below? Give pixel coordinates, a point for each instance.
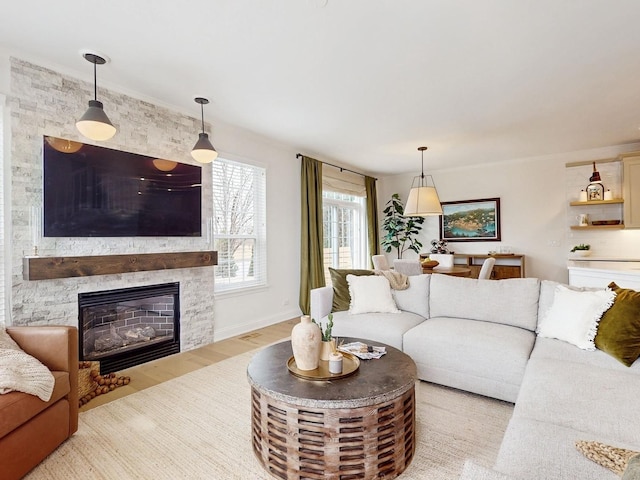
(158, 371)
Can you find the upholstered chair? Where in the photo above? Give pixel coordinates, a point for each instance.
(487, 268)
(408, 267)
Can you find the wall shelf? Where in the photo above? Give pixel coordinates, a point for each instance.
(49, 268)
(597, 202)
(598, 227)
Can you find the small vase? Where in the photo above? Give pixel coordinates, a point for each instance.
(305, 343)
(326, 349)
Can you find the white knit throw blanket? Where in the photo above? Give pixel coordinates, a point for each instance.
(21, 372)
(398, 281)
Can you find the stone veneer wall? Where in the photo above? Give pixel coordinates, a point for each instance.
(44, 102)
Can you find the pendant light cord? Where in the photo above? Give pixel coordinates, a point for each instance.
(422, 149)
(95, 81)
(202, 115)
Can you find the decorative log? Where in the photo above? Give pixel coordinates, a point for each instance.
(107, 383)
(48, 268)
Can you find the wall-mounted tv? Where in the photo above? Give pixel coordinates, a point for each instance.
(92, 191)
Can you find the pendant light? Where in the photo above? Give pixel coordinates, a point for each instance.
(423, 197)
(95, 124)
(203, 151)
(63, 145)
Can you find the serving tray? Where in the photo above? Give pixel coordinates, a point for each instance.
(350, 364)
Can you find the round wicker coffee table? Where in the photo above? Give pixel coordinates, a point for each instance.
(360, 426)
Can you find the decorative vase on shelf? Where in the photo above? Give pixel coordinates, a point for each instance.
(327, 348)
(305, 343)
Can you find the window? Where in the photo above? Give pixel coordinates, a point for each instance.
(239, 225)
(345, 231)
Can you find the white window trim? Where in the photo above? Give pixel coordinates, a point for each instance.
(361, 255)
(260, 236)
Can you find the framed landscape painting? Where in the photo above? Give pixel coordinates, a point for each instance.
(471, 220)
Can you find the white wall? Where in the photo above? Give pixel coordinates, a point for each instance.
(534, 209)
(238, 313)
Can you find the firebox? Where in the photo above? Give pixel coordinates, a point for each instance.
(129, 326)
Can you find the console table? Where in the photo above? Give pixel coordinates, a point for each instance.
(329, 429)
(506, 266)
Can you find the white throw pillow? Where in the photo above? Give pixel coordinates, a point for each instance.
(574, 316)
(369, 294)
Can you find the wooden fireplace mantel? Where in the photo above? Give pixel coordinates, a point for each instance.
(49, 268)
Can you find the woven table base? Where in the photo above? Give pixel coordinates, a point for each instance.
(294, 443)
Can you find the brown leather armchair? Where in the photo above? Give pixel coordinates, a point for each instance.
(31, 429)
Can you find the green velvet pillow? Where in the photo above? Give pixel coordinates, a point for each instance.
(341, 296)
(619, 328)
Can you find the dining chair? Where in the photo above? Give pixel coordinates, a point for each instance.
(408, 267)
(487, 268)
(444, 259)
(380, 262)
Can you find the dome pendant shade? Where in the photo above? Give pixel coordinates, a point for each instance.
(63, 145)
(203, 151)
(423, 197)
(95, 124)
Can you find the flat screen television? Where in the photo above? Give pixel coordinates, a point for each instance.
(92, 191)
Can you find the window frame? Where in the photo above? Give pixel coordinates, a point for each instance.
(223, 285)
(358, 230)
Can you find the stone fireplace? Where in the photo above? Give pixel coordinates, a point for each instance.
(125, 327)
(45, 286)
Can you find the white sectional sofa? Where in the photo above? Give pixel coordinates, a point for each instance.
(479, 336)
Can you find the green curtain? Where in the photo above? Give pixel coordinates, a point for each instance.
(372, 216)
(311, 251)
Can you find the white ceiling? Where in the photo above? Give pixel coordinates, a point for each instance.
(365, 82)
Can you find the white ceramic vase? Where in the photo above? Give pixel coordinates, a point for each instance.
(305, 342)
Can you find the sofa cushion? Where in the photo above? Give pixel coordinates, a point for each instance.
(582, 397)
(565, 352)
(538, 450)
(370, 294)
(377, 327)
(481, 357)
(512, 301)
(17, 408)
(619, 329)
(414, 299)
(341, 297)
(574, 316)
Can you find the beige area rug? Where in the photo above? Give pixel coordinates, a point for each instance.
(198, 427)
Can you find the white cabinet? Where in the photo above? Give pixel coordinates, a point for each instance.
(631, 177)
(585, 273)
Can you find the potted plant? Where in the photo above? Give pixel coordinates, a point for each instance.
(400, 231)
(328, 343)
(581, 250)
